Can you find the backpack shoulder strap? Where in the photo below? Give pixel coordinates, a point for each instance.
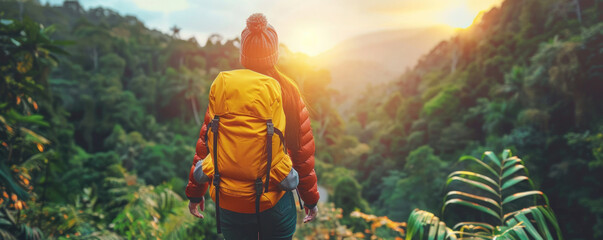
(215, 124)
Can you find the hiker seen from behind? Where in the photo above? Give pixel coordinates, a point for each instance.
(256, 147)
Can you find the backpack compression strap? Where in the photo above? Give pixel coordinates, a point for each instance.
(269, 142)
(270, 132)
(258, 196)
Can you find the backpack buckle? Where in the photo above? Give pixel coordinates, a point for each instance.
(216, 180)
(258, 187)
(215, 123)
(270, 127)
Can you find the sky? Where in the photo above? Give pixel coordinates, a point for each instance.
(309, 26)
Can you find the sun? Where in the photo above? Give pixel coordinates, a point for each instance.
(308, 40)
(459, 17)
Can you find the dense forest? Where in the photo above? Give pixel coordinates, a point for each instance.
(99, 116)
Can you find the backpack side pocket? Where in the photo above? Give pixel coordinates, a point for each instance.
(290, 182)
(199, 175)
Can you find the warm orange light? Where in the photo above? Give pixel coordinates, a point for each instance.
(40, 147)
(19, 205)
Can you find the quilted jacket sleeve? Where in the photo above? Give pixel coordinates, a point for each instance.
(194, 190)
(303, 159)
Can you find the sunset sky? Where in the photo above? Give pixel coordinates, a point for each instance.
(309, 26)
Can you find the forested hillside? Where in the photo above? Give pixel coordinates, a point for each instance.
(527, 76)
(120, 107)
(99, 116)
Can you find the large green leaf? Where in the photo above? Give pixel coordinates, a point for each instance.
(511, 161)
(33, 119)
(548, 213)
(522, 195)
(528, 226)
(415, 222)
(411, 223)
(505, 154)
(473, 205)
(481, 224)
(6, 235)
(6, 21)
(542, 216)
(518, 231)
(5, 222)
(477, 175)
(15, 42)
(475, 229)
(512, 170)
(433, 229)
(473, 183)
(419, 220)
(531, 222)
(493, 158)
(34, 137)
(473, 196)
(506, 232)
(541, 222)
(441, 231)
(480, 162)
(511, 182)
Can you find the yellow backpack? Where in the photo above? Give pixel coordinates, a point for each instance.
(245, 140)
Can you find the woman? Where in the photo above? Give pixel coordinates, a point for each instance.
(259, 53)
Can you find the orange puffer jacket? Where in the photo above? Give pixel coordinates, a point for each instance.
(303, 162)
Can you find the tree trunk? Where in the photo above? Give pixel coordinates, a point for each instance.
(44, 187)
(20, 10)
(95, 58)
(578, 13)
(194, 106)
(455, 59)
(324, 127)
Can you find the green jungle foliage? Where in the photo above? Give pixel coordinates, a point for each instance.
(526, 76)
(99, 116)
(500, 203)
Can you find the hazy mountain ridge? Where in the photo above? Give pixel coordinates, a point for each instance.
(355, 62)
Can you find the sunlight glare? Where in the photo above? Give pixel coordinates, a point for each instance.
(459, 17)
(308, 41)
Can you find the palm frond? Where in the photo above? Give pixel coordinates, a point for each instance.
(539, 222)
(425, 225)
(502, 191)
(5, 234)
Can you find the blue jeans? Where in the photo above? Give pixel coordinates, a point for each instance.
(277, 222)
